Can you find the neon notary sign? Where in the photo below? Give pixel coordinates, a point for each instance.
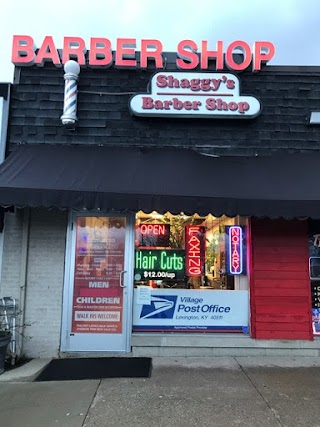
(235, 250)
(127, 52)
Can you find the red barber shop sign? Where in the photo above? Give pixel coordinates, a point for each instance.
(124, 53)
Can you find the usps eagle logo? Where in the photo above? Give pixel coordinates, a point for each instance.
(160, 307)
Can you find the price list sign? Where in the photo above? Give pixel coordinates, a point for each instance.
(315, 294)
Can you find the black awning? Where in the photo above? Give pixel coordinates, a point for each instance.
(175, 180)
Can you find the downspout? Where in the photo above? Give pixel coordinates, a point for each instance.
(23, 274)
(5, 90)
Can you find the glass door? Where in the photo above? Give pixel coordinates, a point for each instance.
(98, 284)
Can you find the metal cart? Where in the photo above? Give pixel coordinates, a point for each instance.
(8, 320)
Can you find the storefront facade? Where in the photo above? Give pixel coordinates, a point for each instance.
(165, 220)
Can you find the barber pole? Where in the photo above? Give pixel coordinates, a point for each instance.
(71, 77)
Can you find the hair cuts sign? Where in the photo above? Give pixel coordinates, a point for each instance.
(207, 95)
(124, 53)
(159, 264)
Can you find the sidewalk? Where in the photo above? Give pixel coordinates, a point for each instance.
(221, 391)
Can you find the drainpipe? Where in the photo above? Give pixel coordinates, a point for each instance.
(23, 274)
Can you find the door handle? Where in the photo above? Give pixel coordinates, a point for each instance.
(121, 279)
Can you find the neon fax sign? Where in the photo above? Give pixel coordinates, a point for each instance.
(235, 250)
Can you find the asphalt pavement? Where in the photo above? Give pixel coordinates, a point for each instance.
(202, 392)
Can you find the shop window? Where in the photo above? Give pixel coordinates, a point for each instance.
(182, 263)
(314, 272)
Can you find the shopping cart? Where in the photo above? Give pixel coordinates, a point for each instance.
(8, 318)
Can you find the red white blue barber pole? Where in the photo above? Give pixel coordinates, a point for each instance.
(71, 77)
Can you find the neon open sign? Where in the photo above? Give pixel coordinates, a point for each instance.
(153, 235)
(235, 250)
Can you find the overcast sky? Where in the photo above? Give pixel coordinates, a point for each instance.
(292, 25)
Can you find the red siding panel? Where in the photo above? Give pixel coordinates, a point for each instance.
(277, 283)
(271, 251)
(279, 292)
(282, 318)
(282, 275)
(271, 309)
(280, 335)
(283, 326)
(277, 302)
(281, 266)
(280, 297)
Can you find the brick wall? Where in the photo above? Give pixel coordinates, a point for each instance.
(45, 274)
(11, 261)
(45, 282)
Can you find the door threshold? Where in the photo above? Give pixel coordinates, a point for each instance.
(84, 354)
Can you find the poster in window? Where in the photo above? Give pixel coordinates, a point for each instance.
(99, 260)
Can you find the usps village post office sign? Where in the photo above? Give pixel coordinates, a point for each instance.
(194, 95)
(177, 310)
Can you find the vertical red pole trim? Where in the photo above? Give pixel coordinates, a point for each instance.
(305, 235)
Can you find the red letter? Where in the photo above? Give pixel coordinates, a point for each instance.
(187, 51)
(206, 54)
(243, 106)
(147, 103)
(162, 81)
(263, 52)
(47, 52)
(123, 53)
(155, 54)
(247, 56)
(74, 47)
(23, 50)
(100, 53)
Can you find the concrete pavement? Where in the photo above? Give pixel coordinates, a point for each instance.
(63, 403)
(219, 391)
